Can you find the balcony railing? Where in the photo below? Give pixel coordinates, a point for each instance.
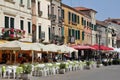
(52, 17)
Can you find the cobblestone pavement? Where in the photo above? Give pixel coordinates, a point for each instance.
(103, 73)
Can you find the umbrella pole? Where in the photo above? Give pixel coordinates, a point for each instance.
(32, 56)
(14, 52)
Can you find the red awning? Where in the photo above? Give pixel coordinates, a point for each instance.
(82, 47)
(101, 47)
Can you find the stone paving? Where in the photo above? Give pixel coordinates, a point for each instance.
(102, 73)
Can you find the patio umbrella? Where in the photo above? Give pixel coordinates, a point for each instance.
(51, 48)
(101, 47)
(82, 47)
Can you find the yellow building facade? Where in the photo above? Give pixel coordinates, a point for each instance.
(73, 29)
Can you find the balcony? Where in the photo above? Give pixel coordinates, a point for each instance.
(52, 17)
(40, 13)
(11, 1)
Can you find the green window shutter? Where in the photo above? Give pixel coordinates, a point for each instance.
(6, 22)
(83, 34)
(29, 27)
(69, 32)
(95, 27)
(62, 31)
(12, 22)
(72, 32)
(69, 17)
(82, 20)
(62, 14)
(72, 17)
(6, 34)
(78, 19)
(75, 18)
(21, 24)
(78, 34)
(39, 34)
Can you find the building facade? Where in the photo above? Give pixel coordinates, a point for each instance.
(43, 22)
(15, 17)
(89, 24)
(56, 21)
(114, 24)
(73, 29)
(103, 34)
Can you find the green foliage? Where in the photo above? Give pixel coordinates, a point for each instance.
(116, 61)
(27, 68)
(62, 66)
(88, 63)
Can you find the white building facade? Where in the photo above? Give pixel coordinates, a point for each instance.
(16, 14)
(43, 23)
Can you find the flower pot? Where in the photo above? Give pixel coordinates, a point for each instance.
(62, 71)
(26, 76)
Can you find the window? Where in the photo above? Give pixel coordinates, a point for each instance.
(6, 26)
(69, 32)
(28, 3)
(9, 22)
(73, 33)
(39, 32)
(62, 12)
(48, 10)
(95, 27)
(21, 24)
(78, 34)
(6, 22)
(58, 13)
(62, 31)
(78, 19)
(82, 21)
(52, 10)
(21, 1)
(83, 35)
(29, 27)
(69, 16)
(49, 33)
(38, 7)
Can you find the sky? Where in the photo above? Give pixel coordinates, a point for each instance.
(105, 8)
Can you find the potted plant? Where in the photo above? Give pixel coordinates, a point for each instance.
(62, 68)
(88, 64)
(27, 68)
(99, 63)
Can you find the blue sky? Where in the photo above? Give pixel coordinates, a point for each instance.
(105, 8)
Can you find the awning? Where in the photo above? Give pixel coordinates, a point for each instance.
(82, 47)
(101, 47)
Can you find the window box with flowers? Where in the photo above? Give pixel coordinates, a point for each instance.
(12, 34)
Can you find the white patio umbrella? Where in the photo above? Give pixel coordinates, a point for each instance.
(51, 47)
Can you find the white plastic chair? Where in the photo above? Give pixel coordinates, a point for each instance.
(8, 71)
(14, 71)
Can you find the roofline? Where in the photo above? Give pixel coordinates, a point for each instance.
(64, 5)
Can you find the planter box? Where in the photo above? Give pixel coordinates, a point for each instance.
(62, 71)
(26, 76)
